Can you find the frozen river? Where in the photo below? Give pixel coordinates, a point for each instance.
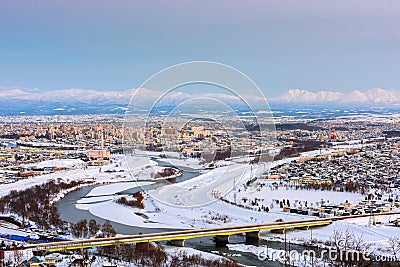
(69, 212)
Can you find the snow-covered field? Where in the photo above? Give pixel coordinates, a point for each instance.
(191, 204)
(106, 192)
(68, 175)
(59, 163)
(117, 171)
(177, 211)
(266, 193)
(76, 173)
(112, 189)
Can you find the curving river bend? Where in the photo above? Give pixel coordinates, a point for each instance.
(70, 213)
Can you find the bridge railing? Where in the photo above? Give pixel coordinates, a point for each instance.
(178, 235)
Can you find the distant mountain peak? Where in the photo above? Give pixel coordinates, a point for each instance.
(372, 96)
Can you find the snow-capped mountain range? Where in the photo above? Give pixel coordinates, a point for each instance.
(376, 95)
(372, 96)
(32, 101)
(66, 95)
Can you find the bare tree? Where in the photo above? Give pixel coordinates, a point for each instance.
(394, 246)
(108, 230)
(347, 249)
(94, 227)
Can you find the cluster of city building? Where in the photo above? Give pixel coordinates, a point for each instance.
(371, 170)
(26, 140)
(69, 131)
(337, 130)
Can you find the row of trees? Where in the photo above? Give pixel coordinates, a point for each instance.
(349, 186)
(137, 202)
(166, 172)
(299, 147)
(83, 229)
(37, 201)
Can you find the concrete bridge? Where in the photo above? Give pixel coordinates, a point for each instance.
(177, 238)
